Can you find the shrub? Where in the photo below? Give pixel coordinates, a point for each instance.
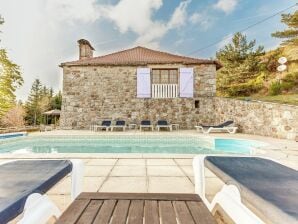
(275, 88)
(291, 77)
(14, 117)
(244, 89)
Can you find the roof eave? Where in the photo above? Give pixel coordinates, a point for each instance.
(218, 65)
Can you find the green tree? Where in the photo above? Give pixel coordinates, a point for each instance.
(291, 33)
(40, 100)
(33, 110)
(57, 101)
(10, 80)
(240, 60)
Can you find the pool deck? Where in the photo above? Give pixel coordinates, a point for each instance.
(171, 173)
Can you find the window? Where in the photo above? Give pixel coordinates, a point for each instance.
(197, 104)
(164, 76)
(164, 83)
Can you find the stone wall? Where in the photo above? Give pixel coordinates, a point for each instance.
(259, 118)
(91, 94)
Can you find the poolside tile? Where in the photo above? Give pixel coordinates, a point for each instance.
(165, 171)
(62, 201)
(161, 162)
(128, 171)
(208, 173)
(102, 162)
(291, 164)
(188, 170)
(97, 171)
(192, 180)
(124, 184)
(170, 185)
(213, 185)
(131, 162)
(62, 187)
(184, 162)
(92, 184)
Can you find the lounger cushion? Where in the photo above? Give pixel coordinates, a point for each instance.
(106, 123)
(268, 188)
(145, 122)
(120, 123)
(222, 125)
(21, 178)
(162, 123)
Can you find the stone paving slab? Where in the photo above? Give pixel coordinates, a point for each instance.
(170, 185)
(124, 184)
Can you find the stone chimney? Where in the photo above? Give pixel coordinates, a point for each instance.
(86, 50)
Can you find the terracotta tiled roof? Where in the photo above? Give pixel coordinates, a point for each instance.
(139, 56)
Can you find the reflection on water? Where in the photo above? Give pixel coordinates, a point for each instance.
(126, 144)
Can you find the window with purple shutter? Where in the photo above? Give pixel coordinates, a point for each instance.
(186, 82)
(143, 83)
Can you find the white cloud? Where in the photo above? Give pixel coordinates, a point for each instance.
(71, 10)
(179, 16)
(136, 16)
(201, 19)
(226, 5)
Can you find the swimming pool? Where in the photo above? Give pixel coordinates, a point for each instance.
(126, 144)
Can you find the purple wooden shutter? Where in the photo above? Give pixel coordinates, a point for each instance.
(186, 82)
(143, 83)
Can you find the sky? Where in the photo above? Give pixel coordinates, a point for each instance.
(40, 34)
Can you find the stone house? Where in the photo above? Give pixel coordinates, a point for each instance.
(135, 84)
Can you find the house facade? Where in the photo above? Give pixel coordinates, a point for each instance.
(136, 84)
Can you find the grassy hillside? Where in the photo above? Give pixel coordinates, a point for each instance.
(275, 86)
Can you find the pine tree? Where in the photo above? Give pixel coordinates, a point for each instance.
(291, 34)
(240, 60)
(33, 110)
(57, 101)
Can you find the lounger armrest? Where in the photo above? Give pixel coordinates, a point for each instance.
(77, 176)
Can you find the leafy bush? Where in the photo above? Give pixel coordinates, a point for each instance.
(291, 77)
(275, 88)
(289, 81)
(244, 89)
(287, 86)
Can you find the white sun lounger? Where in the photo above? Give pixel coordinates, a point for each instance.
(24, 184)
(146, 124)
(256, 190)
(119, 124)
(206, 129)
(105, 124)
(163, 124)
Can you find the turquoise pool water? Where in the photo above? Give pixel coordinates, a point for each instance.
(126, 144)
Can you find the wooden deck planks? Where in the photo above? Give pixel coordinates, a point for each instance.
(151, 215)
(120, 212)
(130, 208)
(73, 213)
(90, 212)
(140, 196)
(105, 213)
(182, 212)
(136, 211)
(167, 213)
(200, 213)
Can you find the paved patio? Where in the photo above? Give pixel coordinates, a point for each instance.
(131, 175)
